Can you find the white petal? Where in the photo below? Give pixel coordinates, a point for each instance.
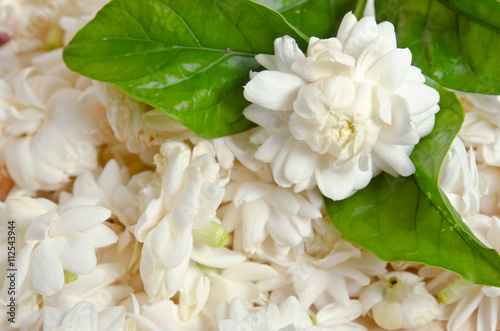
(308, 104)
(387, 314)
(269, 149)
(286, 53)
(419, 97)
(51, 317)
(391, 70)
(300, 163)
(19, 161)
(100, 235)
(76, 253)
(464, 309)
(79, 218)
(254, 218)
(83, 316)
(39, 229)
(111, 319)
(250, 271)
(177, 248)
(348, 22)
(333, 184)
(220, 257)
(248, 192)
(267, 61)
(186, 204)
(264, 117)
(47, 276)
(23, 210)
(396, 157)
(273, 89)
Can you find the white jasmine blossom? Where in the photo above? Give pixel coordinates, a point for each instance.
(83, 316)
(62, 239)
(44, 131)
(160, 315)
(399, 300)
(481, 127)
(335, 317)
(458, 177)
(184, 197)
(98, 287)
(287, 316)
(115, 190)
(140, 127)
(327, 269)
(352, 107)
(218, 275)
(461, 299)
(259, 210)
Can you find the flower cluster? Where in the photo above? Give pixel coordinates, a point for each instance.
(126, 220)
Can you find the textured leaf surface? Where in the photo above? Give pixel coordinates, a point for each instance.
(188, 58)
(410, 218)
(454, 42)
(318, 18)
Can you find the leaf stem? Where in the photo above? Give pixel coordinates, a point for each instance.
(360, 8)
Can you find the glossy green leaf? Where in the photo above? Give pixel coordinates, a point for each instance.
(188, 58)
(318, 18)
(452, 41)
(410, 218)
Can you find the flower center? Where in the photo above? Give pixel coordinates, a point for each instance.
(396, 290)
(342, 129)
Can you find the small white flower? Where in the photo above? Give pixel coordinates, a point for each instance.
(399, 300)
(259, 210)
(287, 316)
(162, 315)
(481, 127)
(45, 130)
(352, 107)
(136, 124)
(335, 317)
(61, 240)
(461, 299)
(115, 190)
(83, 317)
(97, 287)
(184, 196)
(459, 179)
(328, 269)
(218, 275)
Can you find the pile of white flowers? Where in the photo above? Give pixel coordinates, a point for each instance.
(125, 220)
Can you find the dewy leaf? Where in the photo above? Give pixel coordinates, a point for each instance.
(453, 42)
(188, 58)
(318, 18)
(410, 218)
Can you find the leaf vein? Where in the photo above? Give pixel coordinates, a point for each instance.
(183, 22)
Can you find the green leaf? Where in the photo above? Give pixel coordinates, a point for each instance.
(410, 218)
(453, 41)
(188, 58)
(318, 18)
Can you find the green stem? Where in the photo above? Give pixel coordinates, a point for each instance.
(360, 8)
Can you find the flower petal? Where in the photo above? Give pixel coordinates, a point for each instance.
(76, 253)
(79, 218)
(273, 89)
(286, 53)
(390, 70)
(47, 276)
